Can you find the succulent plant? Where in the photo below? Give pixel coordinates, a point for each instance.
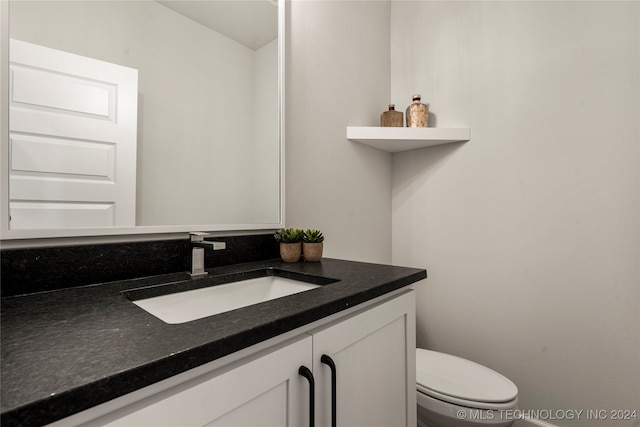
(313, 236)
(288, 235)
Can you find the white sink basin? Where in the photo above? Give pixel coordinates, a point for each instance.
(195, 304)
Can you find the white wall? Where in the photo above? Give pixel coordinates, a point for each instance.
(530, 232)
(338, 75)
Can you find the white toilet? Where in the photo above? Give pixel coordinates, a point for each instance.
(456, 392)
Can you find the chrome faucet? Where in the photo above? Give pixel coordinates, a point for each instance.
(198, 245)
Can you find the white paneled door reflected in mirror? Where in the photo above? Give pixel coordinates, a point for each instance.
(72, 133)
(195, 144)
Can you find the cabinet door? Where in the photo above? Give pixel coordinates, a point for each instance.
(374, 357)
(266, 391)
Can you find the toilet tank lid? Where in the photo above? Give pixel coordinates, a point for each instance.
(461, 378)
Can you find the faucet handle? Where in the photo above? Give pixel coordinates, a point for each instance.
(197, 236)
(218, 246)
(197, 239)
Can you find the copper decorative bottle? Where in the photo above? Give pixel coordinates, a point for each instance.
(391, 118)
(417, 114)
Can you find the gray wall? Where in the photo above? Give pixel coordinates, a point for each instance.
(530, 231)
(338, 75)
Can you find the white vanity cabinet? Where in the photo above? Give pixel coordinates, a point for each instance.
(265, 391)
(372, 350)
(374, 357)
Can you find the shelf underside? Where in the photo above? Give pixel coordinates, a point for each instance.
(394, 140)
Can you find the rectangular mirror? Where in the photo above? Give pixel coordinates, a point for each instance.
(205, 151)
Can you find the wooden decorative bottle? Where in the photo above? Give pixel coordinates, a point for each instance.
(391, 118)
(417, 114)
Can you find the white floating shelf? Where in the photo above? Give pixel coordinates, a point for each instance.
(398, 139)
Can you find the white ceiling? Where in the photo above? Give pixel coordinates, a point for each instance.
(253, 23)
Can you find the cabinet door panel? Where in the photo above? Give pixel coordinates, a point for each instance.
(266, 391)
(374, 354)
(267, 410)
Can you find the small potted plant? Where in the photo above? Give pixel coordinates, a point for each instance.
(290, 240)
(312, 245)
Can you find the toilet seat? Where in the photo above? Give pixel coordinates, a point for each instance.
(463, 382)
(468, 403)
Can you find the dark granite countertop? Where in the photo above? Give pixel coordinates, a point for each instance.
(68, 350)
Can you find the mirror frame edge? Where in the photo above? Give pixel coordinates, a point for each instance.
(10, 239)
(4, 116)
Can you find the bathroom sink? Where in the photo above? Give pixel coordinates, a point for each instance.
(188, 300)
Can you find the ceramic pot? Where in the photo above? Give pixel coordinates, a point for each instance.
(290, 252)
(312, 251)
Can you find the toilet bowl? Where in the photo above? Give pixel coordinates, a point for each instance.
(456, 392)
